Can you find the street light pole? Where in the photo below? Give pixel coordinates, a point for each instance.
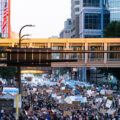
(24, 36)
(20, 37)
(18, 67)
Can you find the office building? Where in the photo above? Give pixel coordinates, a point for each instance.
(66, 32)
(114, 8)
(75, 10)
(94, 16)
(5, 19)
(90, 17)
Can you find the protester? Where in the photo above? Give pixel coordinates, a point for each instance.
(66, 102)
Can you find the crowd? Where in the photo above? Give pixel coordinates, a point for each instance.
(63, 102)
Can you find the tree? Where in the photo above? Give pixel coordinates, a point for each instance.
(0, 35)
(112, 30)
(7, 73)
(116, 72)
(113, 71)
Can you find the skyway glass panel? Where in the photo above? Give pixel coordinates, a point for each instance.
(96, 56)
(80, 56)
(58, 55)
(114, 56)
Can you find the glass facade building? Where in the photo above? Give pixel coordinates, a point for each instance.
(91, 3)
(92, 21)
(75, 10)
(94, 17)
(66, 32)
(114, 7)
(5, 34)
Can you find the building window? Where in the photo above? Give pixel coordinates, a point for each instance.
(92, 36)
(76, 9)
(91, 3)
(77, 2)
(106, 18)
(92, 21)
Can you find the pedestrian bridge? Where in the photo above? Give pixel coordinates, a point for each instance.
(78, 52)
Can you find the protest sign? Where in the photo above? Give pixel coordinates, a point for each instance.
(67, 113)
(11, 90)
(68, 100)
(49, 91)
(102, 92)
(99, 100)
(76, 102)
(109, 92)
(103, 111)
(34, 89)
(24, 93)
(54, 95)
(62, 88)
(65, 106)
(111, 111)
(41, 91)
(109, 103)
(58, 97)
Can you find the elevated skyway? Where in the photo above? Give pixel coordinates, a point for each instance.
(87, 52)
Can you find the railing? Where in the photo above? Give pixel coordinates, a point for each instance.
(113, 59)
(95, 59)
(47, 55)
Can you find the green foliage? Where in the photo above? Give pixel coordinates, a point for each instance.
(112, 30)
(63, 70)
(89, 87)
(113, 71)
(7, 72)
(110, 97)
(0, 35)
(103, 71)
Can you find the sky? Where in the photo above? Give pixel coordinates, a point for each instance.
(48, 16)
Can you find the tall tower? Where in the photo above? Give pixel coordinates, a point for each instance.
(114, 8)
(75, 10)
(94, 16)
(89, 18)
(66, 32)
(5, 19)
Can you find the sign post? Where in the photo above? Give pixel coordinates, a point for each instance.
(17, 107)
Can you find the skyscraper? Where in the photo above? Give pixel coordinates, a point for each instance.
(114, 8)
(5, 18)
(66, 32)
(93, 18)
(75, 10)
(90, 17)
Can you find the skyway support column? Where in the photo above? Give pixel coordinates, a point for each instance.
(86, 54)
(30, 45)
(105, 54)
(84, 73)
(67, 47)
(49, 45)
